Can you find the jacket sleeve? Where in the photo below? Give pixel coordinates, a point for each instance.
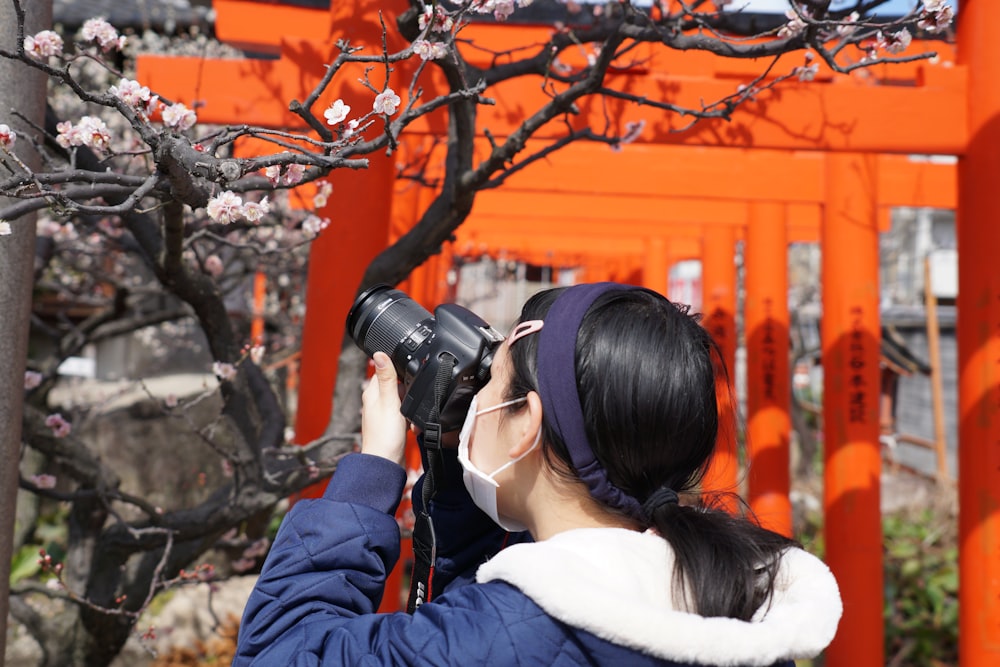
(315, 600)
(331, 555)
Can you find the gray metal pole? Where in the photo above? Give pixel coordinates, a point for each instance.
(22, 91)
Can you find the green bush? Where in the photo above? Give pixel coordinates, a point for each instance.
(920, 578)
(921, 589)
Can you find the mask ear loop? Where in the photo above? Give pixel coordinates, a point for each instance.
(523, 329)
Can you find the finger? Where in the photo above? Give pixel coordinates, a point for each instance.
(385, 372)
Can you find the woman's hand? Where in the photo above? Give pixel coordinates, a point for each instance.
(383, 428)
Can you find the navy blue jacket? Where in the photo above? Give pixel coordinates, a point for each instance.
(323, 580)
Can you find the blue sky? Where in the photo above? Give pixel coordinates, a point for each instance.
(892, 8)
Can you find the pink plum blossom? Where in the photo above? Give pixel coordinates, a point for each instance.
(807, 72)
(895, 42)
(935, 16)
(65, 232)
(428, 50)
(502, 9)
(179, 117)
(131, 92)
(170, 400)
(242, 565)
(386, 102)
(294, 174)
(224, 371)
(60, 427)
(90, 131)
(32, 379)
(313, 224)
(257, 354)
(336, 113)
(225, 207)
(214, 266)
(795, 24)
(437, 18)
(254, 211)
(633, 131)
(7, 136)
(848, 25)
(258, 548)
(43, 481)
(273, 174)
(323, 190)
(100, 31)
(44, 45)
(352, 127)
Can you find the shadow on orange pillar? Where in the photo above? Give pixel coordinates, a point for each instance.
(768, 386)
(852, 463)
(979, 342)
(719, 305)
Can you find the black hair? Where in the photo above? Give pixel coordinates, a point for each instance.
(646, 375)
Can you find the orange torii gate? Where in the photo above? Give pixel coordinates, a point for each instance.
(939, 109)
(667, 213)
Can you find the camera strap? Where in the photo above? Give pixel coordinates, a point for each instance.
(424, 539)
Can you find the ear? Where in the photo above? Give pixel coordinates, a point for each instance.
(528, 425)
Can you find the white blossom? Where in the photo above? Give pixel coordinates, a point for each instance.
(179, 117)
(225, 208)
(336, 113)
(386, 102)
(100, 31)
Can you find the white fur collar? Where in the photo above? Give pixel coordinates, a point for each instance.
(615, 583)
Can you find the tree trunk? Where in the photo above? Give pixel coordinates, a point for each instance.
(22, 90)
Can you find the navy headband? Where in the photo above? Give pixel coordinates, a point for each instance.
(557, 389)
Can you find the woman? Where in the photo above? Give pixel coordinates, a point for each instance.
(600, 410)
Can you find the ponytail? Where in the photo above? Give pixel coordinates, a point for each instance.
(724, 565)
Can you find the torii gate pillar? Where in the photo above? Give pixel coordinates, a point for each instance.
(360, 212)
(765, 314)
(718, 288)
(850, 335)
(979, 340)
(656, 270)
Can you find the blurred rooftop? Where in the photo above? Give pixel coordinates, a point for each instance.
(160, 15)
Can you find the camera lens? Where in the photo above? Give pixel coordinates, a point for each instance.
(382, 318)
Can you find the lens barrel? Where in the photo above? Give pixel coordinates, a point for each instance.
(382, 318)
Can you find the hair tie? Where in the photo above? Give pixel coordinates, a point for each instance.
(662, 496)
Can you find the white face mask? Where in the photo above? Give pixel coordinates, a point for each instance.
(483, 487)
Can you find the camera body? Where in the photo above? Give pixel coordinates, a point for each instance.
(422, 346)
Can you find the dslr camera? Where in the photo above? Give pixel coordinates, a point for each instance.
(422, 347)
